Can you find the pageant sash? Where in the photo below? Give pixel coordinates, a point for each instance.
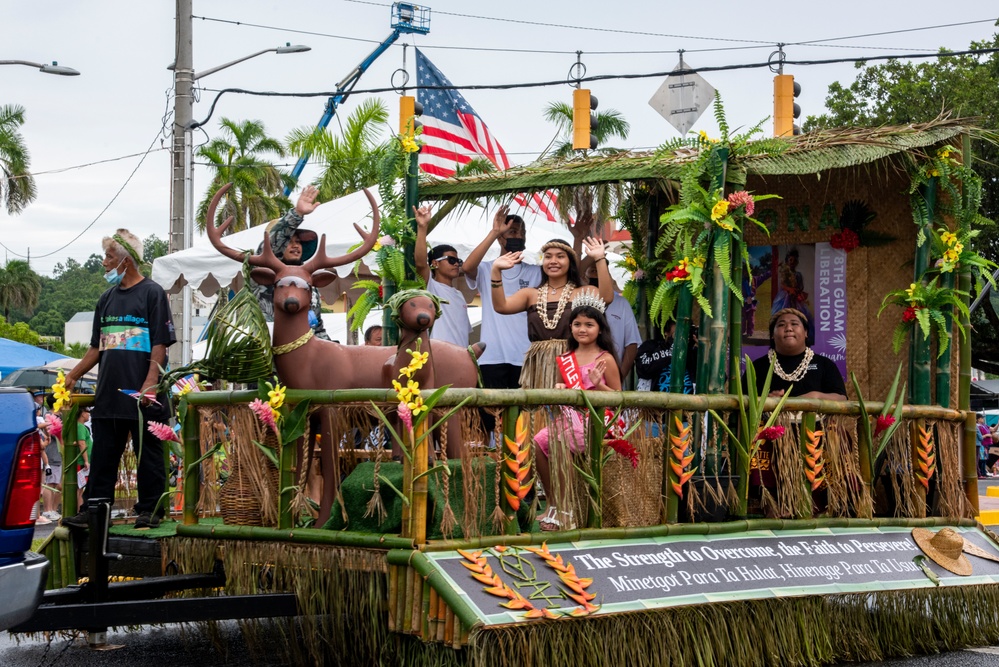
(569, 367)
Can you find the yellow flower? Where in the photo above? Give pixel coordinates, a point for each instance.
(949, 238)
(957, 248)
(377, 246)
(951, 257)
(944, 152)
(59, 392)
(910, 292)
(416, 406)
(630, 262)
(719, 210)
(703, 137)
(419, 359)
(932, 173)
(275, 397)
(409, 145)
(697, 261)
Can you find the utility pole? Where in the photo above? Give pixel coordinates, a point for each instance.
(183, 78)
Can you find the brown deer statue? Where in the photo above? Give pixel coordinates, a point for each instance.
(305, 362)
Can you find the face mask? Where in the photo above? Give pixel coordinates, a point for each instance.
(515, 245)
(112, 276)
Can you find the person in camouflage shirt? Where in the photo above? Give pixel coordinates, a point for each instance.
(294, 246)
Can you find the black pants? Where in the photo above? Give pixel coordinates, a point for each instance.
(110, 438)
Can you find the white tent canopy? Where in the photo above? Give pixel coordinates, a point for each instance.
(206, 270)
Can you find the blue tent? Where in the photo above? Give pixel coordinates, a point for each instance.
(14, 355)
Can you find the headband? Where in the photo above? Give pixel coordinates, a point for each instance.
(788, 311)
(117, 238)
(561, 245)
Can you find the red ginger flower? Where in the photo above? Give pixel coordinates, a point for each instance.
(163, 432)
(742, 198)
(625, 449)
(264, 413)
(845, 240)
(884, 421)
(910, 314)
(772, 433)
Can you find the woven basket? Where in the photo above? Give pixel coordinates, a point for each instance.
(241, 500)
(633, 496)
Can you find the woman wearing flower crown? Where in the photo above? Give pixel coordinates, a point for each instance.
(546, 305)
(589, 363)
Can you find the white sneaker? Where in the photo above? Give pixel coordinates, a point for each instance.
(52, 515)
(42, 520)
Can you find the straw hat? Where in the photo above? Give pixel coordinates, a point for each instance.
(944, 548)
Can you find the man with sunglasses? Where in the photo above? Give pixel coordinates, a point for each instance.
(294, 246)
(440, 270)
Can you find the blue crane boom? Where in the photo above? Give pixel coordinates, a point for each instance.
(406, 18)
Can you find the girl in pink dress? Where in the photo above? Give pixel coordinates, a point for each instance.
(589, 363)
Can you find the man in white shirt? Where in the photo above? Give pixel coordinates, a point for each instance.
(622, 322)
(440, 270)
(505, 336)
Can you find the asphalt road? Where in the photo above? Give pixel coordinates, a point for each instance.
(188, 647)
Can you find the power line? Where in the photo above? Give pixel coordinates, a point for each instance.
(893, 32)
(596, 77)
(89, 164)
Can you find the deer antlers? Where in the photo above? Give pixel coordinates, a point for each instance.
(268, 259)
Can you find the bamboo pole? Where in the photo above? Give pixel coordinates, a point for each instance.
(570, 397)
(442, 610)
(288, 467)
(919, 349)
(408, 463)
(407, 600)
(419, 496)
(393, 598)
(431, 614)
(595, 442)
(191, 481)
(416, 604)
(449, 626)
(69, 439)
(681, 339)
(942, 373)
(424, 568)
(807, 424)
(509, 430)
(688, 529)
(400, 600)
(969, 449)
(339, 538)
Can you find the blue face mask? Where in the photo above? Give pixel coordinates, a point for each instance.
(112, 276)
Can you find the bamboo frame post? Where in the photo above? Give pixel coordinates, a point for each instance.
(942, 372)
(919, 349)
(969, 448)
(595, 443)
(509, 430)
(191, 440)
(287, 467)
(408, 463)
(807, 425)
(69, 439)
(419, 483)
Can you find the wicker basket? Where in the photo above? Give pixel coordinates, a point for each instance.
(242, 498)
(633, 496)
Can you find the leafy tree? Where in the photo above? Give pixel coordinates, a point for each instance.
(49, 323)
(74, 288)
(240, 156)
(592, 205)
(350, 162)
(19, 332)
(153, 247)
(20, 287)
(76, 350)
(899, 93)
(17, 187)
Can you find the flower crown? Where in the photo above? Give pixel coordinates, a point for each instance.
(591, 298)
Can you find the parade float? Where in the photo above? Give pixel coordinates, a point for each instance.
(296, 511)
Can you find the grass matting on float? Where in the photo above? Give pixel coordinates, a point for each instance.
(358, 487)
(167, 528)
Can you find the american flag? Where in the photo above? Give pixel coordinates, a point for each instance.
(453, 134)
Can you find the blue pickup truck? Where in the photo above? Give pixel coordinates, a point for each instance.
(22, 572)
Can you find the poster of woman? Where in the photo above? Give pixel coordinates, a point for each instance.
(791, 289)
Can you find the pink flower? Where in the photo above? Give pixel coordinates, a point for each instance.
(742, 198)
(639, 274)
(55, 424)
(625, 449)
(772, 433)
(884, 421)
(162, 431)
(264, 413)
(406, 415)
(386, 241)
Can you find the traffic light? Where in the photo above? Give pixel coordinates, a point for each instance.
(583, 120)
(786, 110)
(409, 109)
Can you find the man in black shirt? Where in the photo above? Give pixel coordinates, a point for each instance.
(131, 333)
(796, 367)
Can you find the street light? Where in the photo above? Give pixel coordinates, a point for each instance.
(182, 185)
(54, 68)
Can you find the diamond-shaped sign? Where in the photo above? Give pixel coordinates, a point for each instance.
(683, 98)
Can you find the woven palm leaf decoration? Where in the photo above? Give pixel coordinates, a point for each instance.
(239, 344)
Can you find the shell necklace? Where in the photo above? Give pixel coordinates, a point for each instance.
(798, 373)
(563, 301)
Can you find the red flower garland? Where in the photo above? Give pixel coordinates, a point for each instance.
(884, 421)
(845, 240)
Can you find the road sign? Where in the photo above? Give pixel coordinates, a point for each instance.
(682, 98)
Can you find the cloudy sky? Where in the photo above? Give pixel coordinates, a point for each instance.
(87, 134)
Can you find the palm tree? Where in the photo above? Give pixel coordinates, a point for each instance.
(238, 157)
(20, 288)
(17, 187)
(350, 162)
(590, 204)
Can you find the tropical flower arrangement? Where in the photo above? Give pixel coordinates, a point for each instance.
(925, 305)
(287, 425)
(398, 233)
(953, 251)
(616, 436)
(59, 392)
(885, 423)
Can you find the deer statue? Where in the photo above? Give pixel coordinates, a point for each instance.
(305, 362)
